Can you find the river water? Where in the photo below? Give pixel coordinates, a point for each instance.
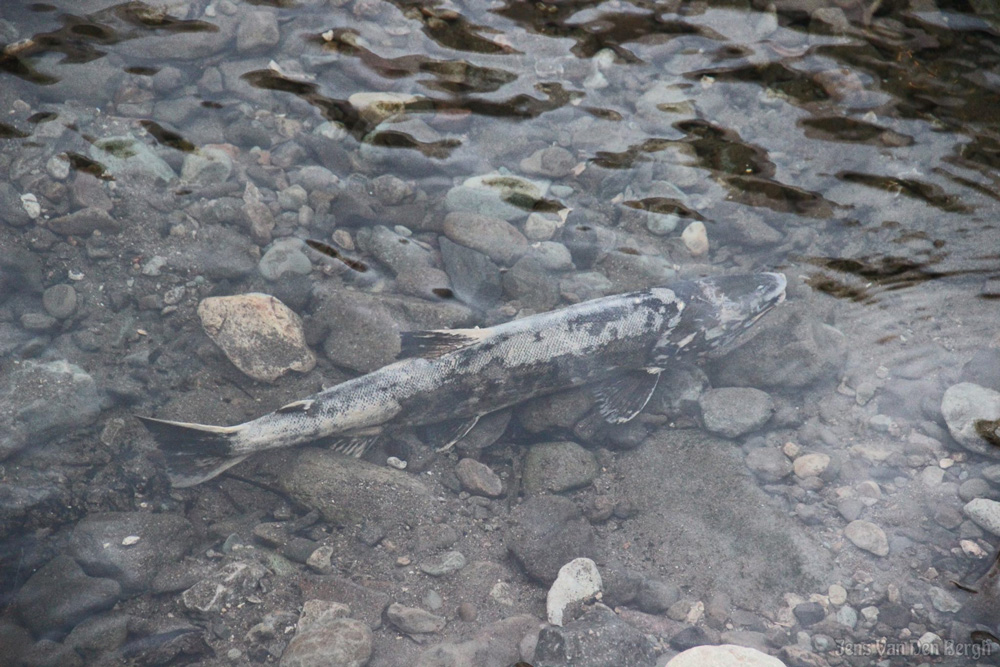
(824, 494)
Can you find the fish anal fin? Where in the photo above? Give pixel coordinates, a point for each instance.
(437, 342)
(623, 396)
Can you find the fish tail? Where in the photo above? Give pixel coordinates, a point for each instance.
(195, 452)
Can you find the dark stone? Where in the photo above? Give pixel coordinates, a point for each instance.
(60, 595)
(547, 533)
(598, 639)
(689, 637)
(474, 276)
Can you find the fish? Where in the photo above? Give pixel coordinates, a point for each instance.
(618, 344)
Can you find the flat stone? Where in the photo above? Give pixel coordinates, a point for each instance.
(60, 301)
(256, 31)
(442, 564)
(498, 239)
(285, 256)
(474, 276)
(811, 465)
(258, 333)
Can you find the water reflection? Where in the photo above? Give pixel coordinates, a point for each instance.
(465, 164)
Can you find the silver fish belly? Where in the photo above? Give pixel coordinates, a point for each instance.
(618, 343)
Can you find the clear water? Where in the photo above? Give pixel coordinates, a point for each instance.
(853, 147)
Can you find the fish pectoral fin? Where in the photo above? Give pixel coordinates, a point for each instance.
(437, 342)
(622, 397)
(296, 406)
(450, 432)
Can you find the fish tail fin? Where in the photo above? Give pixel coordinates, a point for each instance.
(195, 452)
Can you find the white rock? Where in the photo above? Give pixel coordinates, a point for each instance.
(866, 535)
(31, 205)
(811, 465)
(578, 580)
(985, 513)
(724, 655)
(965, 404)
(695, 238)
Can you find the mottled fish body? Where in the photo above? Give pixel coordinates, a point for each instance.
(619, 344)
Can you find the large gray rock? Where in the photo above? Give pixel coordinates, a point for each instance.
(350, 491)
(363, 336)
(558, 467)
(496, 645)
(972, 413)
(546, 533)
(735, 411)
(326, 636)
(474, 276)
(712, 524)
(597, 639)
(43, 401)
(105, 545)
(60, 595)
(790, 349)
(497, 238)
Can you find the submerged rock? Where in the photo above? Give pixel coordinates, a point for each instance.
(326, 636)
(972, 413)
(598, 639)
(258, 333)
(578, 581)
(726, 655)
(60, 595)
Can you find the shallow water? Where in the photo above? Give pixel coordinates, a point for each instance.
(154, 155)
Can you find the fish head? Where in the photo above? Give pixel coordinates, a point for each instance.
(717, 311)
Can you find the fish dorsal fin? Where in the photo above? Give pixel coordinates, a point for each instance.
(622, 397)
(437, 342)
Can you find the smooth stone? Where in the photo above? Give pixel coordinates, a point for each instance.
(59, 596)
(552, 256)
(531, 285)
(84, 223)
(695, 238)
(735, 411)
(99, 543)
(557, 467)
(128, 156)
(474, 276)
(497, 238)
(970, 411)
(258, 333)
(446, 563)
(256, 31)
(541, 226)
(207, 166)
(770, 463)
(724, 655)
(551, 162)
(285, 256)
(478, 478)
(60, 301)
(866, 535)
(811, 465)
(396, 251)
(497, 195)
(578, 580)
(985, 513)
(98, 634)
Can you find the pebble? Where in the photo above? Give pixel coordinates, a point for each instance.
(30, 210)
(578, 580)
(809, 613)
(285, 256)
(811, 465)
(866, 535)
(552, 256)
(59, 595)
(847, 616)
(446, 563)
(769, 463)
(258, 333)
(413, 620)
(551, 162)
(973, 488)
(724, 655)
(985, 513)
(837, 594)
(695, 238)
(557, 467)
(321, 560)
(735, 411)
(496, 238)
(944, 601)
(478, 478)
(965, 404)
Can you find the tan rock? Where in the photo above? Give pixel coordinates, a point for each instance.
(259, 334)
